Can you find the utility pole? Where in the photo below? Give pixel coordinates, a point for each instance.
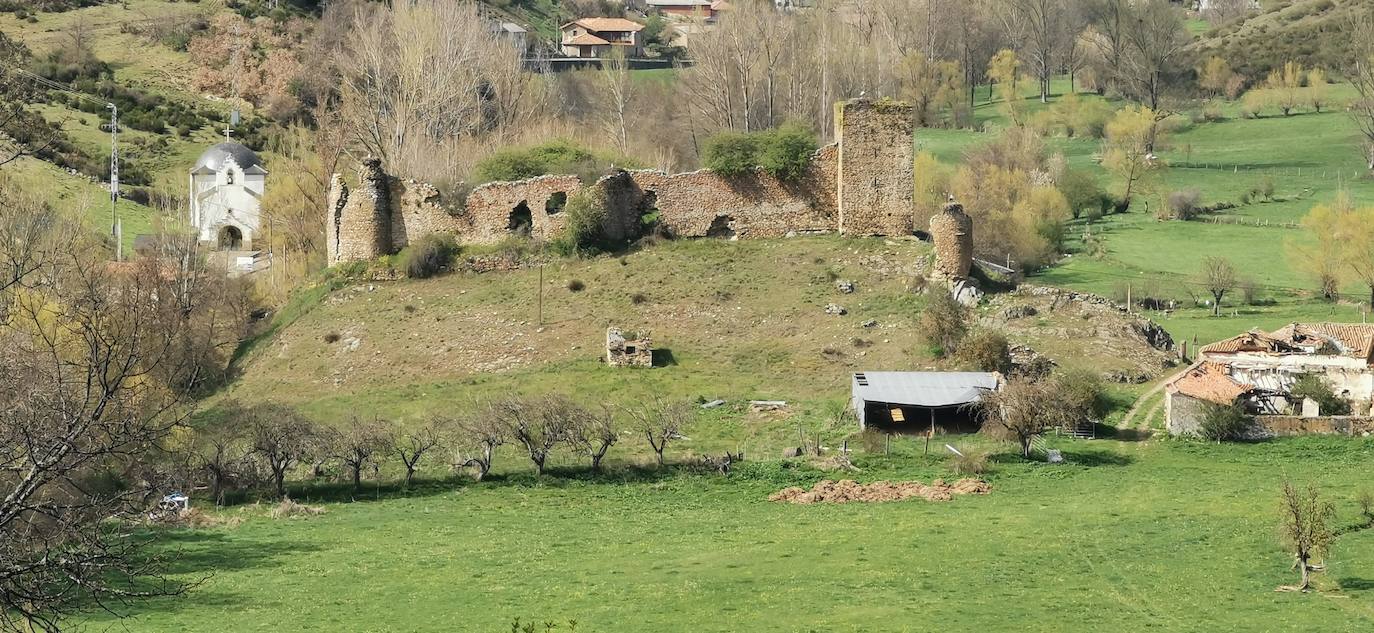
(114, 167)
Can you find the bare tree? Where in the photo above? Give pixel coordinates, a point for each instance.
(419, 76)
(1022, 409)
(412, 445)
(93, 374)
(619, 88)
(594, 432)
(1157, 39)
(1305, 529)
(539, 424)
(478, 433)
(360, 444)
(1219, 278)
(1360, 74)
(662, 422)
(282, 438)
(222, 451)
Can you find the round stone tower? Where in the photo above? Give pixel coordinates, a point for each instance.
(951, 231)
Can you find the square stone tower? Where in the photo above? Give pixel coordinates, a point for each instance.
(875, 179)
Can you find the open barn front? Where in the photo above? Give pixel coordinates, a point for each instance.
(916, 402)
(907, 419)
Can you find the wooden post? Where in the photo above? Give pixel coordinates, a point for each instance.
(887, 443)
(1128, 298)
(541, 294)
(931, 432)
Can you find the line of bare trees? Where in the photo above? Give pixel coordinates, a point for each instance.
(264, 445)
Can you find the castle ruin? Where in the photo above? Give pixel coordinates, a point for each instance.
(860, 185)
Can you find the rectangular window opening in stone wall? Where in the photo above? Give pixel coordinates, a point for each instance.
(554, 205)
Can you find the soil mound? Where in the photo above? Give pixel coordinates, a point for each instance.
(848, 491)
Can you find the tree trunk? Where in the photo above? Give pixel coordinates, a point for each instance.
(659, 452)
(410, 475)
(596, 460)
(357, 477)
(1216, 303)
(1306, 581)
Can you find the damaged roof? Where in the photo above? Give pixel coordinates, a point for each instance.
(1344, 339)
(1207, 380)
(924, 388)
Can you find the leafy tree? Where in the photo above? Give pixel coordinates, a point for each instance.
(1325, 254)
(1317, 388)
(1358, 247)
(1127, 150)
(1286, 86)
(1215, 75)
(986, 350)
(1003, 71)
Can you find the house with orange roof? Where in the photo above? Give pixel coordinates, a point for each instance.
(1260, 368)
(597, 37)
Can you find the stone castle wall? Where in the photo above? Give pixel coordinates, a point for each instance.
(868, 171)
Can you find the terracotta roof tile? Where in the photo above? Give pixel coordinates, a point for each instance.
(1208, 381)
(1252, 341)
(599, 25)
(585, 39)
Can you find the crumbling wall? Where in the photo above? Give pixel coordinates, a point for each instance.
(861, 186)
(756, 205)
(496, 210)
(361, 218)
(876, 181)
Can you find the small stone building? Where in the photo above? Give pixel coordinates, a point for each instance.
(628, 349)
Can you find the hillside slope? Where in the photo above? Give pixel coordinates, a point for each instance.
(734, 320)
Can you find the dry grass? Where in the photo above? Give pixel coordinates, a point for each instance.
(289, 509)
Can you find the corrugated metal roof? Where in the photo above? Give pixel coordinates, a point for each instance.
(923, 388)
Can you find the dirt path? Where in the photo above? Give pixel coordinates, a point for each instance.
(1129, 421)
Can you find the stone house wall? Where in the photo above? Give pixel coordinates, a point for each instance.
(876, 182)
(1284, 425)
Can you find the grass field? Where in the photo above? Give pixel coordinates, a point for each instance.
(1160, 536)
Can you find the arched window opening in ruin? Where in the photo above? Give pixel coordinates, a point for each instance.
(924, 236)
(556, 202)
(722, 226)
(521, 220)
(231, 237)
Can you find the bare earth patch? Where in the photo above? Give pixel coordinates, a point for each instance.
(847, 490)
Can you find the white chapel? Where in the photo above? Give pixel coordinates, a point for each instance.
(226, 192)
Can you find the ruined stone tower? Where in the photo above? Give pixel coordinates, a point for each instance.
(359, 223)
(951, 232)
(875, 175)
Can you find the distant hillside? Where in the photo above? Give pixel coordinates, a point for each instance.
(1306, 31)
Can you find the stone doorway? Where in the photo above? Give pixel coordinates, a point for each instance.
(230, 238)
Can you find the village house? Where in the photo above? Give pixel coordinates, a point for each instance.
(687, 9)
(1259, 369)
(597, 37)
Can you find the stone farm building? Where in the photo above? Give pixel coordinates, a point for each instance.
(597, 37)
(1259, 369)
(860, 185)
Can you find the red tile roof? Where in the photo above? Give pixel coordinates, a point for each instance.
(1252, 341)
(585, 39)
(1352, 339)
(598, 25)
(1208, 381)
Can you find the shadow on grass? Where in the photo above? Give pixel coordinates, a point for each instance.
(1356, 584)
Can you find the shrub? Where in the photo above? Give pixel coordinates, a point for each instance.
(1315, 387)
(969, 463)
(576, 285)
(986, 350)
(943, 324)
(1266, 187)
(1184, 204)
(1080, 188)
(1082, 392)
(553, 157)
(639, 298)
(332, 337)
(786, 152)
(731, 154)
(1223, 423)
(429, 256)
(585, 228)
(783, 153)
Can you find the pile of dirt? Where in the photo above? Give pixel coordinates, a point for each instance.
(847, 490)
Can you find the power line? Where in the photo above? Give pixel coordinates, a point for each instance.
(114, 142)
